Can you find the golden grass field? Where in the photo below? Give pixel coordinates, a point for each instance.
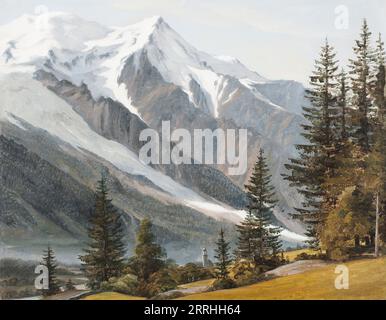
(112, 296)
(367, 281)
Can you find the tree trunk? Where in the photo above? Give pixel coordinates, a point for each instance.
(376, 251)
(357, 241)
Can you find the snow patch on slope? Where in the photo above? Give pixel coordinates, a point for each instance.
(85, 52)
(31, 37)
(25, 98)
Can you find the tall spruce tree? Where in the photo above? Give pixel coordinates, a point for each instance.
(380, 105)
(376, 169)
(362, 83)
(379, 92)
(343, 150)
(49, 261)
(223, 259)
(257, 228)
(317, 161)
(372, 184)
(342, 124)
(105, 253)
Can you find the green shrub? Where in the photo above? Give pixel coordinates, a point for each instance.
(306, 256)
(126, 284)
(221, 284)
(160, 281)
(191, 272)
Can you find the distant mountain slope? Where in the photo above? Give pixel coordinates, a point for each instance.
(92, 89)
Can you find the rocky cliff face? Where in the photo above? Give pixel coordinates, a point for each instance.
(270, 127)
(115, 122)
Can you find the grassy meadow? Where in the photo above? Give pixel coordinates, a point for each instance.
(367, 280)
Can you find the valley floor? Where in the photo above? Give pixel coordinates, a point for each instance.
(299, 280)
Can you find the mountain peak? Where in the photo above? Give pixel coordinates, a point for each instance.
(149, 25)
(86, 46)
(156, 20)
(32, 36)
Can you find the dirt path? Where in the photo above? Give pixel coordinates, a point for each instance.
(186, 291)
(67, 295)
(296, 268)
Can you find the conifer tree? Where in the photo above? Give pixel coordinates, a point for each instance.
(379, 152)
(343, 151)
(343, 112)
(149, 256)
(247, 237)
(372, 183)
(317, 161)
(261, 198)
(104, 256)
(362, 83)
(376, 163)
(70, 285)
(366, 113)
(222, 256)
(379, 92)
(274, 243)
(49, 262)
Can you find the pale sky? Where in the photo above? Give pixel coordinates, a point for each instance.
(277, 38)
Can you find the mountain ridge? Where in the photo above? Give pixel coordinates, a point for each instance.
(151, 72)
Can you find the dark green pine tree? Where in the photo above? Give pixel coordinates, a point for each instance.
(317, 162)
(149, 256)
(70, 285)
(49, 261)
(104, 256)
(377, 158)
(223, 259)
(343, 149)
(380, 104)
(343, 112)
(247, 237)
(261, 201)
(362, 83)
(274, 244)
(379, 92)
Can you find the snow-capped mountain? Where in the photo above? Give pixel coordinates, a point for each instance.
(87, 52)
(85, 91)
